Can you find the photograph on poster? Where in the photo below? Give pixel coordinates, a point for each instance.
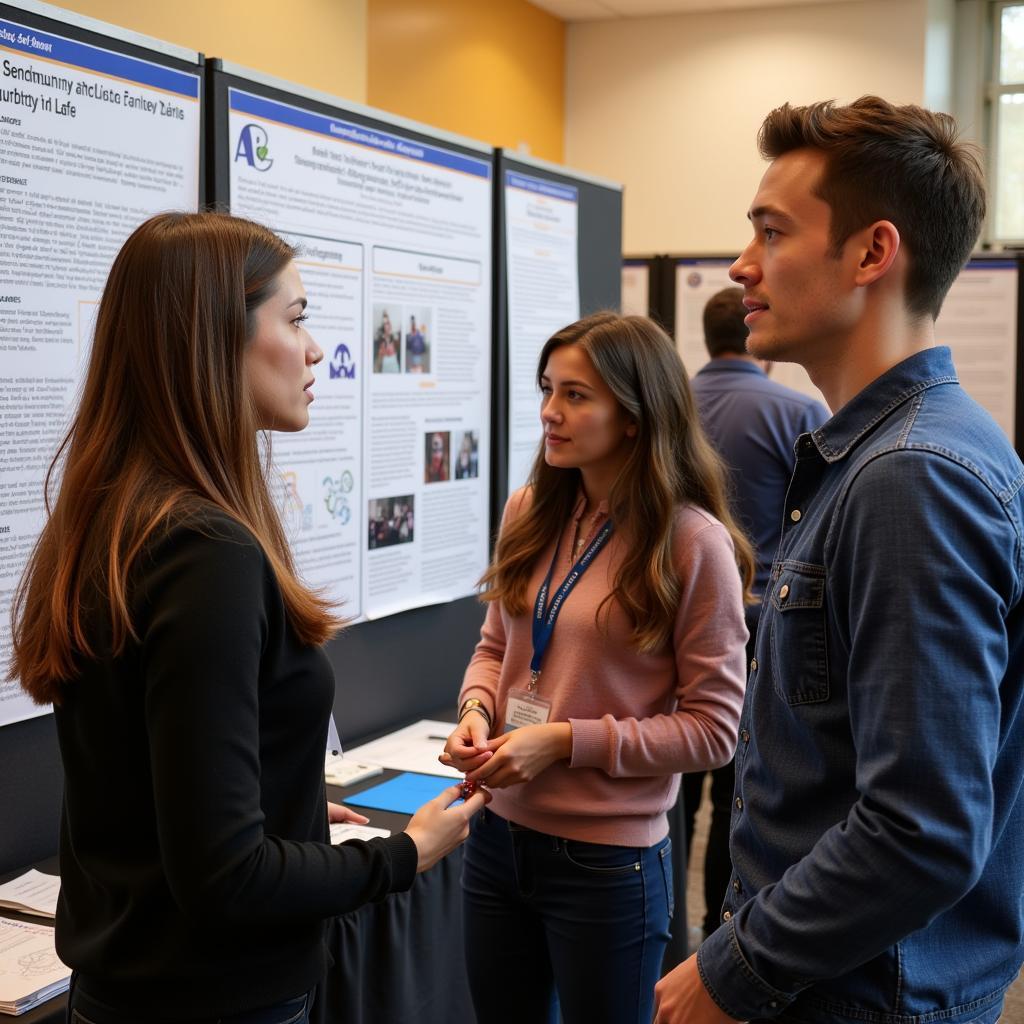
(391, 521)
(387, 339)
(467, 458)
(417, 344)
(437, 457)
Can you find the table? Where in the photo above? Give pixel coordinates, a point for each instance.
(401, 959)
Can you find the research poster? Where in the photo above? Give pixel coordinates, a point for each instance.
(636, 288)
(92, 142)
(385, 494)
(979, 323)
(542, 261)
(697, 280)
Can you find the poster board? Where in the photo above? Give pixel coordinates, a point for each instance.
(559, 257)
(385, 496)
(100, 128)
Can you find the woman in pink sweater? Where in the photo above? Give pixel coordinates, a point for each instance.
(611, 659)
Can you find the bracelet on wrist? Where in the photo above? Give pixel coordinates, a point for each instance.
(473, 704)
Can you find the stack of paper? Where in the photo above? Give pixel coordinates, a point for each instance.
(31, 893)
(343, 831)
(30, 972)
(344, 771)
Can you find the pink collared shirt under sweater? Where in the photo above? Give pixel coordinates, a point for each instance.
(637, 719)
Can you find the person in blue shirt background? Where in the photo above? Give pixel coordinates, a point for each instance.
(753, 422)
(877, 834)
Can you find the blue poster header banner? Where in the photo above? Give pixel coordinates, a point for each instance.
(32, 43)
(513, 179)
(997, 264)
(360, 135)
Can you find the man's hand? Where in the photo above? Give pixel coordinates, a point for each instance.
(681, 998)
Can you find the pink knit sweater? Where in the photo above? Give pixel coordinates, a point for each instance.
(637, 719)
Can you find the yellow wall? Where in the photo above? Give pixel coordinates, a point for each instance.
(317, 43)
(490, 69)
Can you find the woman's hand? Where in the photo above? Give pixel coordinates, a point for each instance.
(438, 827)
(521, 755)
(339, 813)
(466, 747)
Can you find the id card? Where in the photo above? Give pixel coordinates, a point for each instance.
(523, 708)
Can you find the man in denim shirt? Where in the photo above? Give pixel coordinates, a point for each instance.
(877, 835)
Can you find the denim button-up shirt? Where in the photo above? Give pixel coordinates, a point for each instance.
(877, 833)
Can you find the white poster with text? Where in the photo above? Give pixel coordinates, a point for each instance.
(92, 142)
(542, 260)
(385, 494)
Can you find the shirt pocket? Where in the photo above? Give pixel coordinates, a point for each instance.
(797, 637)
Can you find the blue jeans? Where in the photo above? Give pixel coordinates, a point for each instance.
(84, 1009)
(546, 916)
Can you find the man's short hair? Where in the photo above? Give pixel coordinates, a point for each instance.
(901, 164)
(724, 329)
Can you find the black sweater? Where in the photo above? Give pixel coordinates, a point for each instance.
(196, 871)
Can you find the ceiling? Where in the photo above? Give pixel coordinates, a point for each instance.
(594, 10)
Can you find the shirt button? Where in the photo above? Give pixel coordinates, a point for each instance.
(745, 736)
(727, 916)
(783, 591)
(795, 515)
(753, 664)
(739, 803)
(736, 885)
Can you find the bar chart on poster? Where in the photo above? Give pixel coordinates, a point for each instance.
(385, 494)
(97, 133)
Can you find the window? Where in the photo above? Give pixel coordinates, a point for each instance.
(1006, 125)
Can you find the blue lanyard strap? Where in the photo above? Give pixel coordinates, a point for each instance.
(546, 615)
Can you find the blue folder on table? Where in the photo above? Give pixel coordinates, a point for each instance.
(404, 794)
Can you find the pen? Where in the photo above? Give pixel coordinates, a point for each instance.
(442, 738)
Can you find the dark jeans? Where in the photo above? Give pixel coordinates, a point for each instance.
(83, 1009)
(547, 917)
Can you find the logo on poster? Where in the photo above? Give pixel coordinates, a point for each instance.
(342, 364)
(253, 146)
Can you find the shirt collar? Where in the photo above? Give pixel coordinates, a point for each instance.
(923, 370)
(731, 366)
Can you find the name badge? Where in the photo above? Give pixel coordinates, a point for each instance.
(524, 708)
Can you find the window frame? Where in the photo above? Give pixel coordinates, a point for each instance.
(994, 91)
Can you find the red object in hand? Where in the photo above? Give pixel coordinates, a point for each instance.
(469, 787)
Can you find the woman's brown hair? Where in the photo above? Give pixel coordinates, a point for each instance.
(671, 463)
(165, 429)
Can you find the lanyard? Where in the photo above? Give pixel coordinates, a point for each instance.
(545, 615)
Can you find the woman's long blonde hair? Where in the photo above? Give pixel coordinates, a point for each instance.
(670, 463)
(165, 428)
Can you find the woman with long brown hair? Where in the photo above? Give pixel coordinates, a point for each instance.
(162, 615)
(610, 660)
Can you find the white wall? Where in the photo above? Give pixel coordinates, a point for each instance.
(670, 106)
